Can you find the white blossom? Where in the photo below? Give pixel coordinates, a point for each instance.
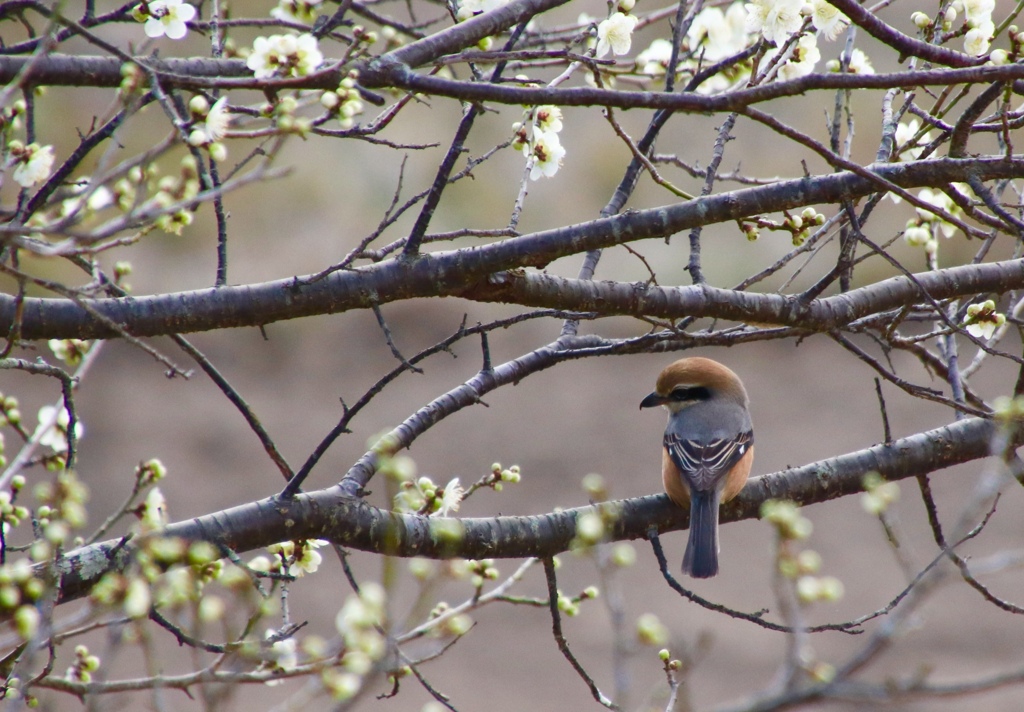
(137, 598)
(53, 427)
(805, 56)
(917, 235)
(942, 201)
(982, 320)
(214, 128)
(978, 12)
(310, 560)
(828, 19)
(547, 153)
(859, 63)
(217, 120)
(904, 134)
(284, 55)
(168, 17)
(33, 164)
(615, 34)
(549, 118)
(776, 20)
(654, 60)
(977, 39)
(452, 497)
(154, 513)
(719, 34)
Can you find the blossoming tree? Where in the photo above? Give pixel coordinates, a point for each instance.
(889, 224)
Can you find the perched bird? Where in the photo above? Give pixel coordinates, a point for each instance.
(708, 449)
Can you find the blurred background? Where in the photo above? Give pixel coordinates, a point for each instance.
(810, 400)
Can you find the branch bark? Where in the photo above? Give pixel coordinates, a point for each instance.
(350, 522)
(448, 273)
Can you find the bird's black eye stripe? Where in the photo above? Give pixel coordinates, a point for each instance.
(690, 393)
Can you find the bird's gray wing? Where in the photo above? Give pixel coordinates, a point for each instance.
(704, 463)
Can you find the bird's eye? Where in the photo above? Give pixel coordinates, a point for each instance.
(685, 394)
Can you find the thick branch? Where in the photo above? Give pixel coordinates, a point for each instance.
(394, 70)
(349, 522)
(449, 273)
(614, 298)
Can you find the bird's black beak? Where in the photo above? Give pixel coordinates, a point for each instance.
(654, 399)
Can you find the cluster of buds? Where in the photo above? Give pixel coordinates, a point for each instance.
(18, 586)
(170, 572)
(11, 116)
(150, 472)
(172, 191)
(344, 102)
(62, 506)
(672, 665)
(10, 412)
(83, 666)
(481, 571)
(499, 475)
(798, 226)
(283, 114)
(133, 80)
(570, 605)
(209, 125)
(803, 566)
(11, 514)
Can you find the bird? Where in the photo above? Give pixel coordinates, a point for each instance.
(708, 449)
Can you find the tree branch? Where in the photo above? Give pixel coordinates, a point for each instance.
(447, 273)
(350, 522)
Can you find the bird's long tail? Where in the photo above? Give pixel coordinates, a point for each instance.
(701, 557)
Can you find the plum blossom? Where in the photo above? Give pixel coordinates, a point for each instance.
(982, 320)
(615, 34)
(805, 56)
(33, 163)
(904, 134)
(53, 427)
(452, 497)
(859, 63)
(547, 153)
(654, 60)
(549, 118)
(719, 34)
(168, 17)
(214, 128)
(284, 55)
(942, 201)
(828, 19)
(977, 39)
(776, 20)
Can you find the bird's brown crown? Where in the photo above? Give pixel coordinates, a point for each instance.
(699, 371)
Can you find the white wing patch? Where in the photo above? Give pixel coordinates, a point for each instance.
(703, 464)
